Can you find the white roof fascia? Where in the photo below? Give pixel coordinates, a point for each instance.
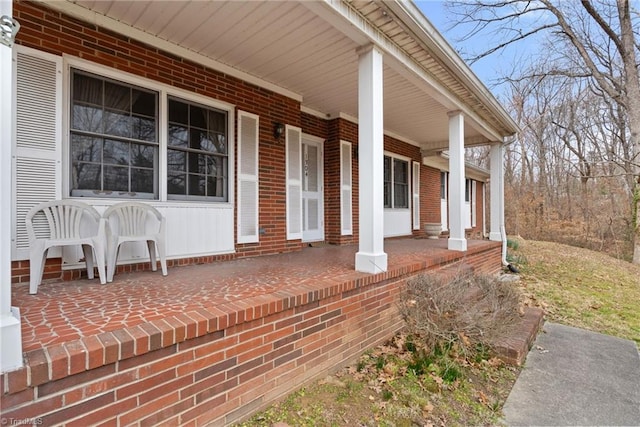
(353, 25)
(111, 24)
(347, 20)
(422, 27)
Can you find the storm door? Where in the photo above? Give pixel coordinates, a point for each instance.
(312, 190)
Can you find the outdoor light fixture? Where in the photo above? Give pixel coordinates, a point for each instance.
(278, 130)
(9, 28)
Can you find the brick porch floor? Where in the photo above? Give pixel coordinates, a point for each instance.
(68, 311)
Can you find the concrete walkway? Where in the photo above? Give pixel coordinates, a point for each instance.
(575, 377)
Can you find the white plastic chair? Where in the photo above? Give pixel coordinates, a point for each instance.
(66, 222)
(135, 222)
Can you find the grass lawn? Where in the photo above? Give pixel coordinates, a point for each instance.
(395, 385)
(582, 288)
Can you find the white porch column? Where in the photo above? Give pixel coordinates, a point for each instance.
(371, 257)
(457, 240)
(497, 192)
(10, 334)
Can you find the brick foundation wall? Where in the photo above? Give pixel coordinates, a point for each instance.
(219, 365)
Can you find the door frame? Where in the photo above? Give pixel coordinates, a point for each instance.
(319, 235)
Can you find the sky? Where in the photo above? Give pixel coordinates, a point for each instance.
(487, 69)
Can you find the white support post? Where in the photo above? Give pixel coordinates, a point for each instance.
(457, 239)
(497, 192)
(371, 257)
(10, 333)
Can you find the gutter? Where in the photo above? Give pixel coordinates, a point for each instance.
(424, 31)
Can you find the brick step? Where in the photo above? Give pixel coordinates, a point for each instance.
(513, 348)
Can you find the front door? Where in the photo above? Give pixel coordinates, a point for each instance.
(312, 190)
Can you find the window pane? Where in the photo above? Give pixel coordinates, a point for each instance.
(116, 178)
(86, 176)
(177, 160)
(143, 155)
(198, 117)
(104, 108)
(215, 186)
(400, 171)
(204, 164)
(197, 185)
(142, 180)
(85, 148)
(401, 196)
(117, 124)
(387, 168)
(197, 132)
(387, 195)
(201, 140)
(176, 183)
(143, 103)
(217, 122)
(87, 118)
(221, 144)
(117, 97)
(178, 112)
(193, 162)
(143, 129)
(467, 190)
(116, 152)
(178, 136)
(87, 89)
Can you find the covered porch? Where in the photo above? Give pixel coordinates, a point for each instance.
(64, 311)
(214, 342)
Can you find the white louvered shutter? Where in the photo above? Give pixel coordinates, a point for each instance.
(294, 182)
(473, 202)
(346, 215)
(415, 188)
(248, 178)
(38, 137)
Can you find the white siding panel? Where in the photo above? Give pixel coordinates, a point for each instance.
(397, 222)
(192, 230)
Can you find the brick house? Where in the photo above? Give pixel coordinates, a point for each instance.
(256, 128)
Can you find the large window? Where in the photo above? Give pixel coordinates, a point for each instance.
(197, 151)
(114, 138)
(115, 143)
(396, 183)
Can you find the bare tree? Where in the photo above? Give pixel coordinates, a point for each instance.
(589, 40)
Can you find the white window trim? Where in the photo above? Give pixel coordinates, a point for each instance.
(409, 179)
(164, 91)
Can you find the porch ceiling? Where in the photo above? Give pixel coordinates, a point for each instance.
(309, 49)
